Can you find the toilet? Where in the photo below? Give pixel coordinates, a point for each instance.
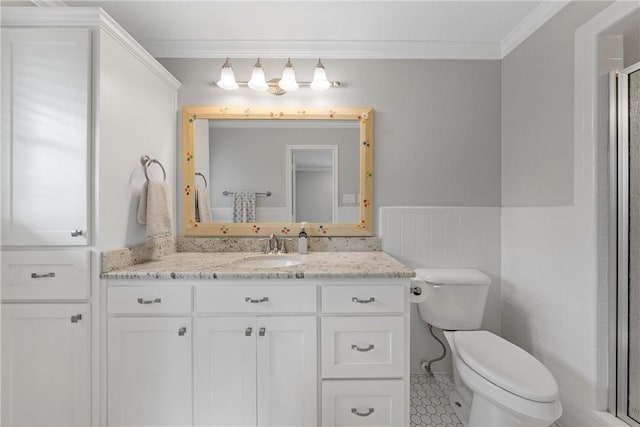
(497, 383)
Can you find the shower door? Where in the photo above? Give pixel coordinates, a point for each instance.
(627, 113)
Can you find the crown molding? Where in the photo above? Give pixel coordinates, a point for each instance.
(111, 27)
(345, 49)
(530, 24)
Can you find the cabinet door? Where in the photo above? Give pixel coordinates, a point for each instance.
(45, 134)
(287, 371)
(46, 365)
(149, 372)
(225, 371)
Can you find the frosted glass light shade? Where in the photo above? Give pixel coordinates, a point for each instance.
(258, 81)
(320, 81)
(288, 81)
(227, 78)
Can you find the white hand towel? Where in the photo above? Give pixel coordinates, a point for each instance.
(204, 205)
(154, 208)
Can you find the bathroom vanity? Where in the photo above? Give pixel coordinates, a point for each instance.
(222, 339)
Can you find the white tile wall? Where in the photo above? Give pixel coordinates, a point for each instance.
(444, 237)
(548, 296)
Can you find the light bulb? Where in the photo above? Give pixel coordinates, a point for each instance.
(227, 78)
(288, 81)
(258, 81)
(320, 81)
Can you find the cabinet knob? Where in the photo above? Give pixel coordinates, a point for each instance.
(182, 331)
(356, 348)
(76, 233)
(362, 414)
(363, 301)
(75, 318)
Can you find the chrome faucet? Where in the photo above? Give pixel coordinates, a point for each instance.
(273, 244)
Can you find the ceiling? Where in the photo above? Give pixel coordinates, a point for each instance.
(329, 29)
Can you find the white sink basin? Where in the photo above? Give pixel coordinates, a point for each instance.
(268, 261)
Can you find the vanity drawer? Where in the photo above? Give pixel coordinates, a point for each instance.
(148, 299)
(363, 403)
(362, 347)
(45, 275)
(256, 299)
(363, 299)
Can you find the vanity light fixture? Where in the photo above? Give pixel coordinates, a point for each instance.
(281, 86)
(227, 78)
(258, 81)
(288, 81)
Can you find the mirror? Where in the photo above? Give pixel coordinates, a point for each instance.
(256, 171)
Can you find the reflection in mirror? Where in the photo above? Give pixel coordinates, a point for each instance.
(268, 170)
(312, 181)
(309, 169)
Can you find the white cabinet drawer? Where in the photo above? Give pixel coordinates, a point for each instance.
(363, 299)
(48, 275)
(371, 403)
(362, 347)
(152, 299)
(256, 299)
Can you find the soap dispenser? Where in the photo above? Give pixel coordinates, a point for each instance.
(302, 240)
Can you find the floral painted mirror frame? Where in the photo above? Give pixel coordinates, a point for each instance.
(221, 229)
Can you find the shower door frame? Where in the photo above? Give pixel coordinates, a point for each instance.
(619, 245)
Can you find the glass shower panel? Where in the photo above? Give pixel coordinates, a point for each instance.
(634, 247)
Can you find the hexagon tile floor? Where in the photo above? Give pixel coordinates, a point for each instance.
(430, 401)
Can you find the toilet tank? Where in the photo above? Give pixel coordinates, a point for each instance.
(454, 299)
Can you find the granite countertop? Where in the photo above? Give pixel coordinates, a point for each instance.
(219, 265)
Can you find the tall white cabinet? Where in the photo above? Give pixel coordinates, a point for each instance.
(46, 107)
(66, 75)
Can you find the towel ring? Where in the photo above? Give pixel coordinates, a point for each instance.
(200, 174)
(146, 162)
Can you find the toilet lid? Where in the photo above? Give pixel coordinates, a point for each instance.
(453, 276)
(506, 365)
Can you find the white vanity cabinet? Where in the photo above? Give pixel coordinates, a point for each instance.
(255, 371)
(365, 353)
(46, 365)
(296, 352)
(149, 366)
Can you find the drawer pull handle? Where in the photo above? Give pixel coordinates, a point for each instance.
(262, 331)
(362, 414)
(76, 233)
(40, 276)
(182, 331)
(256, 301)
(74, 319)
(356, 348)
(149, 301)
(363, 301)
(247, 332)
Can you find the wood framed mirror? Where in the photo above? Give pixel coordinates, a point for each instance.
(283, 160)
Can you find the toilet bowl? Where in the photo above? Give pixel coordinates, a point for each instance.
(496, 382)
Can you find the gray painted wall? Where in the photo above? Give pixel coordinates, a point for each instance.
(437, 123)
(537, 112)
